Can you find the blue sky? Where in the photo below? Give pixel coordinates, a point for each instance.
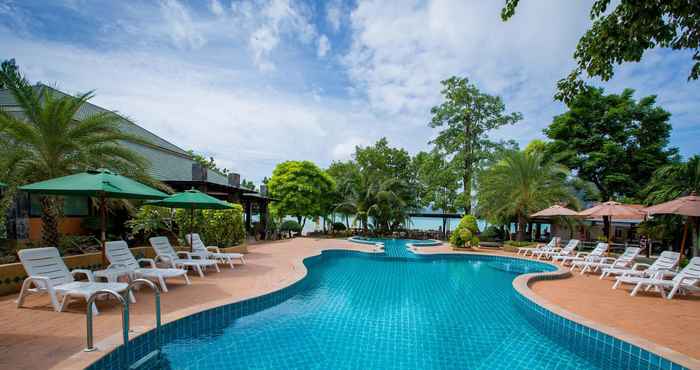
(257, 82)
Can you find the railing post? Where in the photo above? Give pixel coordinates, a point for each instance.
(156, 291)
(125, 317)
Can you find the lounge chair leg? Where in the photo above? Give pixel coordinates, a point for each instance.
(617, 284)
(230, 263)
(216, 266)
(199, 270)
(163, 287)
(242, 260)
(673, 291)
(187, 279)
(636, 289)
(64, 302)
(22, 293)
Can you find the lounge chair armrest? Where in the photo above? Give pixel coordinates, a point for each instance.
(88, 273)
(42, 279)
(116, 266)
(166, 259)
(214, 249)
(607, 260)
(150, 261)
(189, 255)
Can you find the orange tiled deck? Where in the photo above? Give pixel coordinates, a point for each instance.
(55, 340)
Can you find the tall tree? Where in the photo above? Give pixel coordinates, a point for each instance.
(624, 33)
(612, 141)
(467, 115)
(10, 72)
(519, 184)
(46, 141)
(439, 182)
(299, 187)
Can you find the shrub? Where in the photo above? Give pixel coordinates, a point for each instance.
(520, 244)
(465, 233)
(492, 233)
(290, 226)
(222, 227)
(339, 226)
(151, 221)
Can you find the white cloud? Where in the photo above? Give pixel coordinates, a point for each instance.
(344, 150)
(323, 46)
(334, 12)
(216, 8)
(182, 29)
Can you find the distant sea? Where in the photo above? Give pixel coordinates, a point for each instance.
(416, 223)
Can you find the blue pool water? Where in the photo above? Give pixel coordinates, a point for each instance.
(383, 313)
(389, 311)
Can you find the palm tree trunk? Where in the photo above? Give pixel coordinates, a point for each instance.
(49, 219)
(521, 228)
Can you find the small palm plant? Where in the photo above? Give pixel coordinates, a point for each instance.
(45, 140)
(519, 184)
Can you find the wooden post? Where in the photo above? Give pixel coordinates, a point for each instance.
(685, 236)
(103, 227)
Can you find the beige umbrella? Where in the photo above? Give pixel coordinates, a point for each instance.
(554, 212)
(610, 210)
(685, 206)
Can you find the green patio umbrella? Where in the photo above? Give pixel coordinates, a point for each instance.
(191, 199)
(100, 184)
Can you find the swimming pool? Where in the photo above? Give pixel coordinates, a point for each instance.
(355, 310)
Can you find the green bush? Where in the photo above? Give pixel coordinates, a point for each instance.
(221, 227)
(152, 221)
(339, 226)
(465, 235)
(492, 233)
(520, 244)
(290, 226)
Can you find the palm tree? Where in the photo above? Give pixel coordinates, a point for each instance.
(673, 180)
(520, 183)
(47, 141)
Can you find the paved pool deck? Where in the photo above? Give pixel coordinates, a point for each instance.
(36, 337)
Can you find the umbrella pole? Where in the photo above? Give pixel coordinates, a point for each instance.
(103, 227)
(191, 227)
(685, 236)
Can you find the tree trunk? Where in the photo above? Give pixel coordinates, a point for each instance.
(606, 227)
(50, 236)
(521, 228)
(467, 169)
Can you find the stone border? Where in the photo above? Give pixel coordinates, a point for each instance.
(522, 285)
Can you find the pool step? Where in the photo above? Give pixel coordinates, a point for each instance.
(150, 361)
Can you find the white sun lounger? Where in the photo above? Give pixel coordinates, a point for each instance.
(166, 253)
(595, 255)
(214, 253)
(553, 243)
(121, 259)
(688, 280)
(568, 250)
(624, 260)
(666, 261)
(48, 273)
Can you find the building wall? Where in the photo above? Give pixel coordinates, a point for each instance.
(66, 226)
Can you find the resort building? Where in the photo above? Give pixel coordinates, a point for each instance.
(169, 164)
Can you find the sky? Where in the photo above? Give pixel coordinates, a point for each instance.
(257, 82)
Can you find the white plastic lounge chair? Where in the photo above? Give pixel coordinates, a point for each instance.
(688, 280)
(214, 253)
(120, 258)
(595, 255)
(553, 243)
(166, 253)
(568, 250)
(48, 273)
(666, 261)
(624, 260)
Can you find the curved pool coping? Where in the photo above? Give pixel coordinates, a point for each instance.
(521, 284)
(417, 243)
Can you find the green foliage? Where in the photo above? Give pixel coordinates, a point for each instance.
(207, 163)
(45, 142)
(301, 189)
(438, 180)
(247, 184)
(152, 221)
(290, 225)
(520, 244)
(9, 71)
(520, 184)
(221, 227)
(612, 141)
(467, 115)
(339, 226)
(624, 33)
(492, 233)
(379, 183)
(465, 234)
(673, 180)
